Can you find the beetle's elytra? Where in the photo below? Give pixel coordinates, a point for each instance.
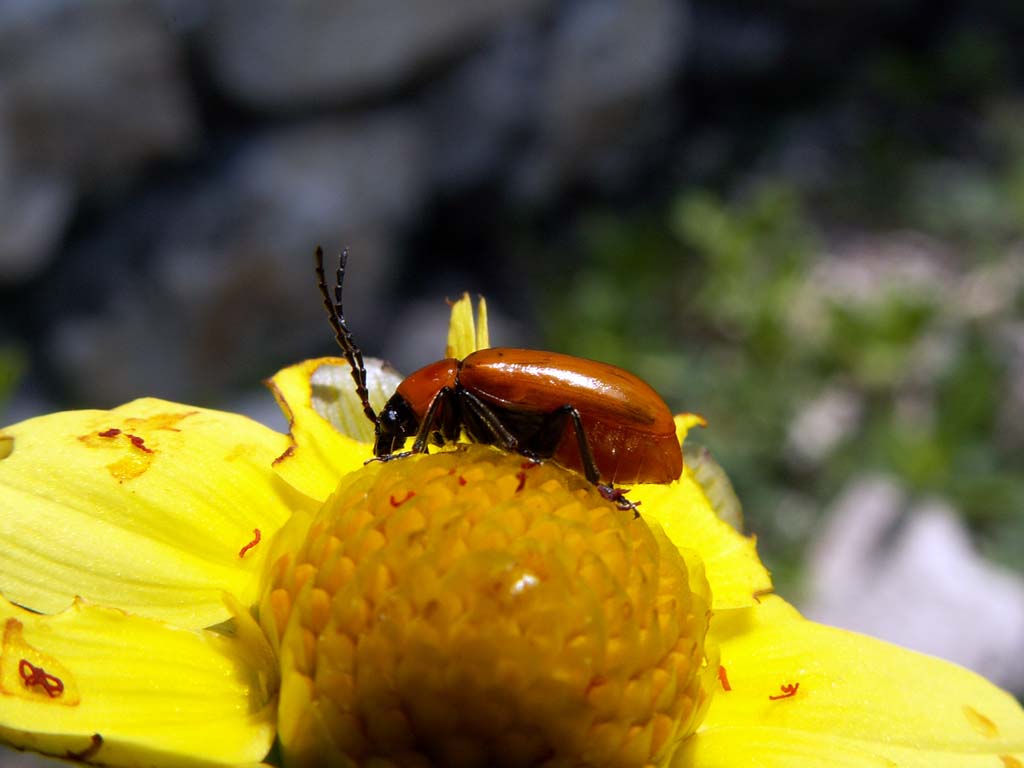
(588, 416)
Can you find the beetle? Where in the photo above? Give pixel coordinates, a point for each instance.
(588, 416)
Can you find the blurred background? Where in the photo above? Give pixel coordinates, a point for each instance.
(803, 220)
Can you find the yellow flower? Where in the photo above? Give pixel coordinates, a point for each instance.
(182, 586)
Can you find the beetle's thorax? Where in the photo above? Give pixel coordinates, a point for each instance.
(420, 387)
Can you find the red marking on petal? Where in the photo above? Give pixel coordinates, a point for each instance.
(256, 536)
(723, 678)
(788, 691)
(399, 502)
(595, 682)
(112, 432)
(139, 443)
(522, 480)
(34, 676)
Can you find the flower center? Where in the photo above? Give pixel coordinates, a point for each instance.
(470, 608)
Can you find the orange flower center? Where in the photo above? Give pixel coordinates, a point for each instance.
(470, 608)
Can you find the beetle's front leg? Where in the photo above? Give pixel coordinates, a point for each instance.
(498, 432)
(389, 457)
(435, 412)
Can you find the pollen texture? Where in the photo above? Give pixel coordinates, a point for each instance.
(469, 608)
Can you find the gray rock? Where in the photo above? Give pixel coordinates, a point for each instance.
(275, 55)
(907, 573)
(337, 173)
(228, 295)
(610, 62)
(733, 42)
(1009, 431)
(93, 90)
(89, 93)
(575, 97)
(199, 279)
(34, 210)
(481, 114)
(821, 424)
(12, 758)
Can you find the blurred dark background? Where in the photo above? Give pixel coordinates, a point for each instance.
(804, 220)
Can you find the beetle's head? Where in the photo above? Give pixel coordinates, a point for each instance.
(395, 423)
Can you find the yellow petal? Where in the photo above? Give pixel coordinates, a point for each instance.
(318, 453)
(103, 686)
(687, 421)
(334, 394)
(715, 483)
(766, 747)
(736, 575)
(853, 701)
(708, 473)
(461, 331)
(146, 507)
(465, 336)
(483, 336)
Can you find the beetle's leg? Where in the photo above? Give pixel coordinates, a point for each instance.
(556, 423)
(500, 434)
(430, 419)
(555, 427)
(388, 457)
(618, 495)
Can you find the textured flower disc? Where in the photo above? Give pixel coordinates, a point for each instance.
(470, 608)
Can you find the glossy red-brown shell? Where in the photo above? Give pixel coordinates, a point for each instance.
(628, 426)
(420, 387)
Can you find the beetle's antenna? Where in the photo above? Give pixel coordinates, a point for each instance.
(342, 335)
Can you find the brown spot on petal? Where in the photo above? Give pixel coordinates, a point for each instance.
(28, 673)
(102, 439)
(135, 441)
(139, 443)
(165, 421)
(241, 451)
(6, 446)
(288, 453)
(130, 466)
(980, 723)
(85, 755)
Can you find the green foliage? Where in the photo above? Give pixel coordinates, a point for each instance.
(617, 295)
(754, 255)
(729, 309)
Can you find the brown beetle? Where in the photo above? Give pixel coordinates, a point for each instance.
(588, 416)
